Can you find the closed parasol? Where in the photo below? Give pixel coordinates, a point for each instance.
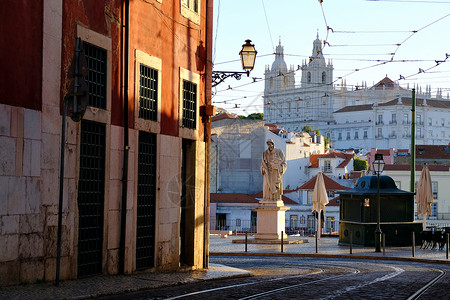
(319, 199)
(424, 196)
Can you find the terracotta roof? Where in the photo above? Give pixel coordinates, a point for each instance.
(222, 116)
(337, 154)
(385, 152)
(432, 152)
(345, 162)
(232, 198)
(273, 127)
(314, 160)
(418, 168)
(334, 201)
(355, 108)
(286, 200)
(385, 83)
(357, 174)
(330, 184)
(405, 102)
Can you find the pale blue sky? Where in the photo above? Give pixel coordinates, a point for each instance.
(297, 23)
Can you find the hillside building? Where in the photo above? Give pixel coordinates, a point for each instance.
(359, 117)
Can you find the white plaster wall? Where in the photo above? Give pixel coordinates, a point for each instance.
(441, 177)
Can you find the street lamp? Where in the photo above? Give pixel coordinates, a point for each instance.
(248, 56)
(378, 167)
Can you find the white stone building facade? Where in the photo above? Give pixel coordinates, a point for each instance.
(352, 117)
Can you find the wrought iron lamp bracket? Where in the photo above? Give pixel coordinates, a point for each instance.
(220, 76)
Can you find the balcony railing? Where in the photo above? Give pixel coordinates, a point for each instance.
(393, 123)
(379, 123)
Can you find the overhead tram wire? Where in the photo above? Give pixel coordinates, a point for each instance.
(268, 26)
(412, 1)
(217, 31)
(382, 62)
(416, 31)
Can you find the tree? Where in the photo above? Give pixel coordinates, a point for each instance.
(317, 131)
(254, 116)
(307, 128)
(360, 164)
(327, 143)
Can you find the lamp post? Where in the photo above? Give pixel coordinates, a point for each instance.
(248, 56)
(378, 167)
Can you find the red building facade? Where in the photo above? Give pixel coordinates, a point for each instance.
(135, 190)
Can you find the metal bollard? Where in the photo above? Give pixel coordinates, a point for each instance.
(246, 241)
(351, 242)
(317, 247)
(383, 239)
(446, 241)
(281, 241)
(413, 243)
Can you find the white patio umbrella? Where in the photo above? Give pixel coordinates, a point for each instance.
(319, 199)
(424, 196)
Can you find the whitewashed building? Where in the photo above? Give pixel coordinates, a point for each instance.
(352, 117)
(440, 178)
(237, 147)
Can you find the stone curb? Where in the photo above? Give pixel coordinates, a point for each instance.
(412, 259)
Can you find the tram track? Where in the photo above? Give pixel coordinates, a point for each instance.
(278, 278)
(427, 286)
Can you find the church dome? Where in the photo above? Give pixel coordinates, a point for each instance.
(279, 65)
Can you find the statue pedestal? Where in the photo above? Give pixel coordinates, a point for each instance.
(270, 220)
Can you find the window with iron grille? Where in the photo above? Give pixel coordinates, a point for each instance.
(189, 105)
(91, 194)
(146, 201)
(148, 93)
(96, 79)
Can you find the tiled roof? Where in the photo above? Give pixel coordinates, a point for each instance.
(244, 198)
(418, 168)
(385, 152)
(314, 160)
(405, 102)
(385, 83)
(345, 162)
(222, 116)
(355, 108)
(273, 127)
(286, 200)
(356, 174)
(330, 184)
(432, 152)
(334, 201)
(232, 198)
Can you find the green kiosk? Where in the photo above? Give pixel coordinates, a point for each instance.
(358, 213)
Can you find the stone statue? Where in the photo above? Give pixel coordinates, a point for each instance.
(273, 166)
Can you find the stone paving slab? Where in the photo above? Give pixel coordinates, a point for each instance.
(116, 284)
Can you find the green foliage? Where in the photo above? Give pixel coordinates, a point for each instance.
(316, 131)
(254, 116)
(360, 164)
(327, 142)
(307, 129)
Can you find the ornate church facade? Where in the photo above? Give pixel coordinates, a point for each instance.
(358, 117)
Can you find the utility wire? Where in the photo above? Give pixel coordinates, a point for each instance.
(268, 27)
(217, 30)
